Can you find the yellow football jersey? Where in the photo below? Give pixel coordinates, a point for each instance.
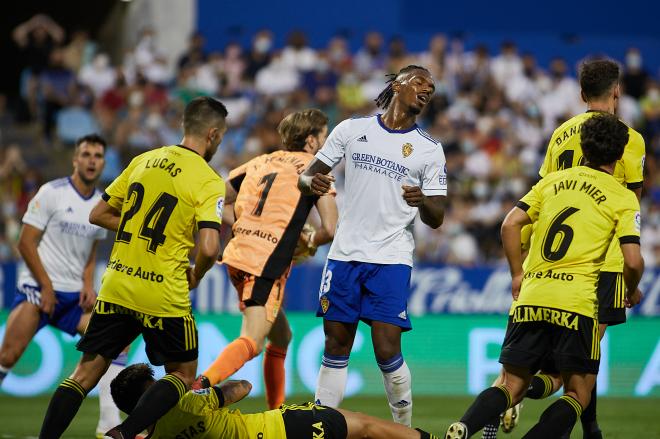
(164, 196)
(564, 151)
(576, 213)
(198, 415)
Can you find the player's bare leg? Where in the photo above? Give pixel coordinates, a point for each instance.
(361, 426)
(21, 326)
(331, 384)
(279, 338)
(386, 339)
(255, 327)
(70, 394)
(541, 386)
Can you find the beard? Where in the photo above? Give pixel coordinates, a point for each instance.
(88, 181)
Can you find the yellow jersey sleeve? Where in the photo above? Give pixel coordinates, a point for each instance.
(633, 160)
(531, 202)
(629, 222)
(209, 203)
(115, 193)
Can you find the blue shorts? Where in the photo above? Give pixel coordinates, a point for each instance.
(67, 311)
(352, 291)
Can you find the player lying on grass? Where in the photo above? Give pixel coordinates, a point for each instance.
(203, 414)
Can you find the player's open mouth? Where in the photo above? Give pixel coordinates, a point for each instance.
(423, 99)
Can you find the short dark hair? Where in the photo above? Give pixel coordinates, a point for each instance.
(295, 127)
(90, 138)
(203, 113)
(597, 77)
(385, 97)
(127, 388)
(603, 138)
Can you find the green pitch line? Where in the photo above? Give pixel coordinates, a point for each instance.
(619, 417)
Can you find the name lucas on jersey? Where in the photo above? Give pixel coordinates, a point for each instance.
(115, 264)
(587, 188)
(164, 164)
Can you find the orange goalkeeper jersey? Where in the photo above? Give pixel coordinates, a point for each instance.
(270, 213)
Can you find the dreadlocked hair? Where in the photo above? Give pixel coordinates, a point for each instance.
(385, 97)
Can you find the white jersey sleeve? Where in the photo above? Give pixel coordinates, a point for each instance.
(434, 178)
(41, 208)
(334, 148)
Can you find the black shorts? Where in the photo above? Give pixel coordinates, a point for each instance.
(113, 327)
(611, 298)
(310, 420)
(536, 335)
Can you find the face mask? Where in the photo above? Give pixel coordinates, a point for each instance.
(634, 60)
(654, 94)
(262, 45)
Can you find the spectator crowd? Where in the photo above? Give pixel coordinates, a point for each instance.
(494, 112)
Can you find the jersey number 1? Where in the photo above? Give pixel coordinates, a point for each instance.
(153, 226)
(557, 227)
(267, 180)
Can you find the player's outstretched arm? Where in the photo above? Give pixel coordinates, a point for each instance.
(314, 180)
(232, 391)
(106, 216)
(511, 227)
(633, 268)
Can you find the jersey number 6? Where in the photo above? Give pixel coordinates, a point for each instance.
(155, 220)
(557, 227)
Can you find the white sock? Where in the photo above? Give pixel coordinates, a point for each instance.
(398, 386)
(332, 380)
(4, 371)
(109, 413)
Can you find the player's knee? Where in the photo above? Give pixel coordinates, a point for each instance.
(282, 338)
(337, 346)
(584, 398)
(386, 351)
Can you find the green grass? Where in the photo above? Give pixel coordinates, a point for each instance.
(619, 417)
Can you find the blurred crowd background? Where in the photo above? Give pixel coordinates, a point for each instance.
(494, 111)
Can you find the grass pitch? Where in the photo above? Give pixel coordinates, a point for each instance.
(618, 417)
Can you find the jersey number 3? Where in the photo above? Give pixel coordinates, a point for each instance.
(155, 220)
(552, 252)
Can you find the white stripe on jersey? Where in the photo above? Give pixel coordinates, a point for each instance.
(375, 224)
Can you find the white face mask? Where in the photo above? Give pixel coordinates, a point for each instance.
(262, 45)
(634, 60)
(654, 94)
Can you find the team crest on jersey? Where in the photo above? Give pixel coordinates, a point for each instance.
(325, 304)
(406, 149)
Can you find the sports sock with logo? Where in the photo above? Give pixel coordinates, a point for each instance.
(540, 387)
(274, 375)
(159, 398)
(398, 387)
(62, 408)
(232, 358)
(331, 383)
(489, 404)
(556, 419)
(109, 413)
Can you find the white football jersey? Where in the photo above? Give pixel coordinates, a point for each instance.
(375, 224)
(62, 213)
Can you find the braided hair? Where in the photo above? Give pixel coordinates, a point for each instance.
(385, 97)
